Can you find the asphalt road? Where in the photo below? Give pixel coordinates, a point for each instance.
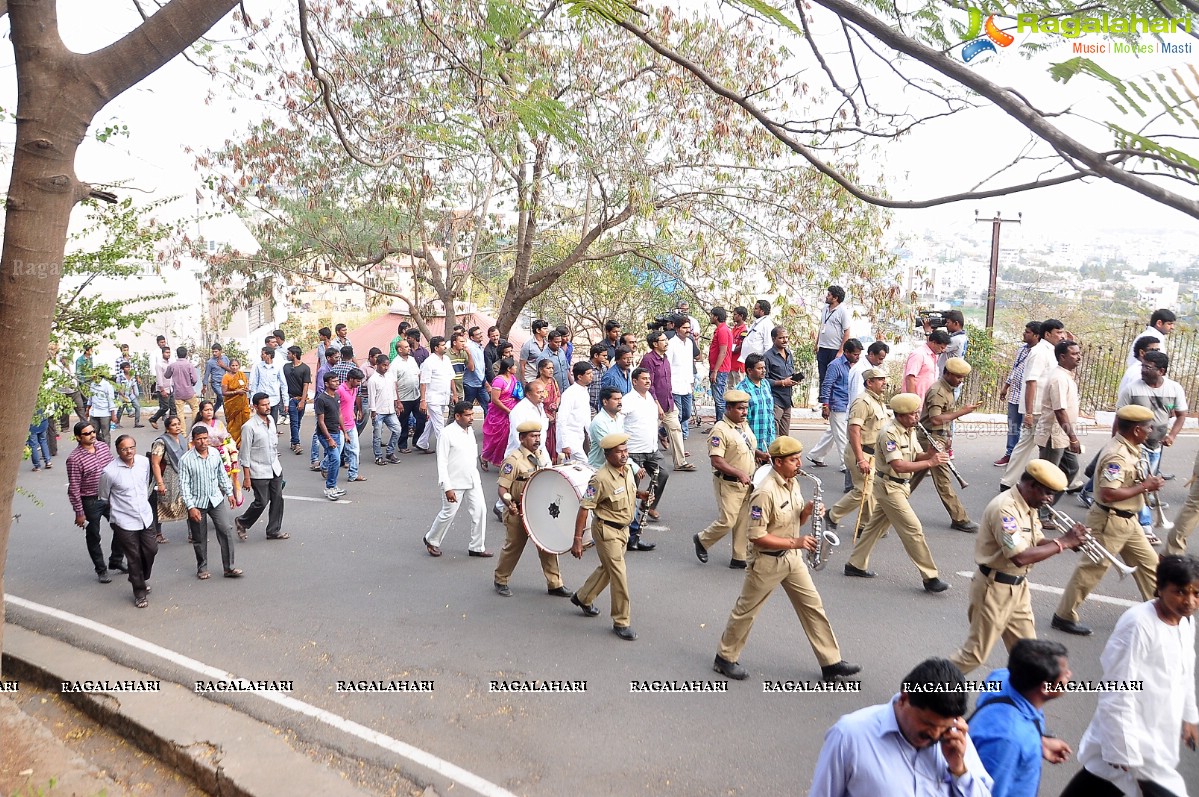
(354, 596)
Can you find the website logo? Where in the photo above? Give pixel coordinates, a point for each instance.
(976, 46)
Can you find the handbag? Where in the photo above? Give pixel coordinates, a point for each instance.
(518, 392)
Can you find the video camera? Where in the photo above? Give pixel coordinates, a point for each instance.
(933, 318)
(660, 321)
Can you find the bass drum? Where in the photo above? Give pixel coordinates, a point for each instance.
(551, 504)
(760, 476)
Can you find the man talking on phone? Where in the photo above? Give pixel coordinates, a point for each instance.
(915, 745)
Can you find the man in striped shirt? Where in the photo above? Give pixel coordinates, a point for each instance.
(84, 466)
(205, 487)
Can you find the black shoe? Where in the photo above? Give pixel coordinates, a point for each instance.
(499, 513)
(120, 567)
(484, 554)
(828, 521)
(104, 577)
(737, 564)
(850, 570)
(1167, 476)
(818, 463)
(1070, 627)
(559, 592)
(968, 526)
(393, 459)
(503, 589)
(935, 585)
(624, 632)
(730, 669)
(701, 553)
(588, 609)
(638, 545)
(841, 669)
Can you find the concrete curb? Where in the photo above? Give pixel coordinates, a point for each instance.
(224, 751)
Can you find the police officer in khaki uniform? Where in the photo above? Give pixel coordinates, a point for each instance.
(940, 411)
(515, 471)
(1008, 545)
(898, 456)
(1112, 520)
(777, 514)
(731, 449)
(867, 415)
(612, 496)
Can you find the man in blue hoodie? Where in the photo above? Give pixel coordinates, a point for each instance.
(1008, 726)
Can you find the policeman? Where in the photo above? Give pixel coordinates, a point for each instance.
(777, 514)
(1119, 496)
(901, 457)
(1008, 545)
(940, 411)
(514, 476)
(867, 415)
(731, 449)
(612, 496)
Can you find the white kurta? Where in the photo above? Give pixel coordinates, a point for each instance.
(526, 410)
(1141, 730)
(574, 414)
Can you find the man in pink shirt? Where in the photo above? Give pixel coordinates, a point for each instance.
(920, 370)
(351, 411)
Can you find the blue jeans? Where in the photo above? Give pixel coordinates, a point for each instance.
(349, 447)
(722, 381)
(477, 393)
(389, 421)
(38, 443)
(294, 416)
(685, 403)
(1155, 458)
(137, 410)
(332, 459)
(1015, 419)
(218, 399)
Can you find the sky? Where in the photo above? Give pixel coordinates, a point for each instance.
(167, 112)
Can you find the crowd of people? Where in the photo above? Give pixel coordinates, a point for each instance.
(616, 410)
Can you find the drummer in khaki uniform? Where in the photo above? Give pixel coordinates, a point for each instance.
(1009, 544)
(731, 449)
(940, 411)
(867, 415)
(1113, 517)
(898, 456)
(612, 497)
(777, 514)
(515, 471)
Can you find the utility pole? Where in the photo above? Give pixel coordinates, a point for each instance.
(996, 224)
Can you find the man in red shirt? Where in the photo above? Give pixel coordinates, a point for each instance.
(920, 370)
(720, 357)
(739, 330)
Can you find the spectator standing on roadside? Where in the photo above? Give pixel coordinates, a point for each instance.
(1012, 388)
(834, 331)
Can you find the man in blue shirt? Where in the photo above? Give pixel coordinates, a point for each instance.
(834, 404)
(1008, 726)
(620, 375)
(214, 371)
(474, 382)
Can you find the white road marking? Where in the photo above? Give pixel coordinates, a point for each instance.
(318, 500)
(413, 754)
(1059, 591)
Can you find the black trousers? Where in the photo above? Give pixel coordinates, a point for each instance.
(222, 523)
(140, 546)
(1084, 784)
(411, 414)
(823, 358)
(166, 407)
(1065, 459)
(94, 510)
(266, 492)
(653, 466)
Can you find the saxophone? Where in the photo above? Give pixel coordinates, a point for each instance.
(826, 540)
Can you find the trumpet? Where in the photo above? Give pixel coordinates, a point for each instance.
(825, 540)
(1152, 500)
(1091, 547)
(939, 447)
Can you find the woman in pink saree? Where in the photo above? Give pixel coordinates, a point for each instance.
(503, 399)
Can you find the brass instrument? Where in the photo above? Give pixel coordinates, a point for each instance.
(1152, 500)
(825, 540)
(939, 447)
(643, 514)
(1091, 547)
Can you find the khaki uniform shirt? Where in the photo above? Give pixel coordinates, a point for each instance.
(938, 400)
(1009, 527)
(1116, 468)
(612, 495)
(516, 470)
(895, 442)
(735, 443)
(775, 508)
(868, 412)
(1061, 393)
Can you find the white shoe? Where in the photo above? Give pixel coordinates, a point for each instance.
(340, 491)
(332, 495)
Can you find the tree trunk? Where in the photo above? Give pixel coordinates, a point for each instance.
(58, 94)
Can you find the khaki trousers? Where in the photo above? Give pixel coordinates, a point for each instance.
(1124, 538)
(674, 434)
(193, 404)
(1188, 518)
(996, 610)
(892, 509)
(949, 498)
(763, 575)
(850, 502)
(732, 507)
(610, 545)
(514, 546)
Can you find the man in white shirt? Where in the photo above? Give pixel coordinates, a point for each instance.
(406, 372)
(124, 487)
(162, 386)
(102, 405)
(876, 354)
(1161, 323)
(757, 338)
(383, 399)
(642, 414)
(574, 414)
(680, 353)
(529, 408)
(436, 392)
(458, 477)
(1056, 437)
(261, 471)
(267, 377)
(1037, 367)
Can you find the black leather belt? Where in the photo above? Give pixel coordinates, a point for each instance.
(775, 554)
(892, 478)
(614, 525)
(1124, 513)
(868, 449)
(1002, 578)
(726, 477)
(522, 478)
